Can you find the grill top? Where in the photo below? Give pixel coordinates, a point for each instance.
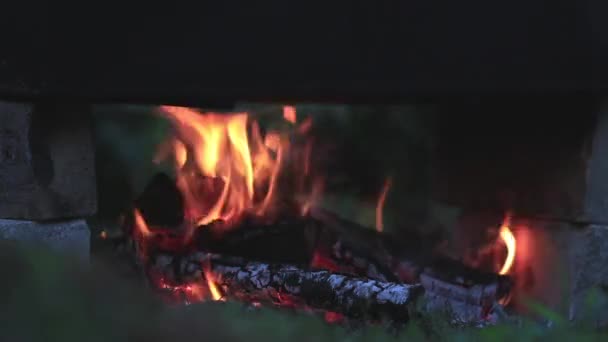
(300, 51)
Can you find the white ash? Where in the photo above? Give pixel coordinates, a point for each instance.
(259, 274)
(366, 288)
(336, 280)
(394, 294)
(241, 275)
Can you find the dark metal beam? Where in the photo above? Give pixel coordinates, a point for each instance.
(312, 50)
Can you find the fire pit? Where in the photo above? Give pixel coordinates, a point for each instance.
(216, 231)
(241, 220)
(238, 214)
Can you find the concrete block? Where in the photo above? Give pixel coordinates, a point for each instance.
(47, 161)
(72, 237)
(589, 272)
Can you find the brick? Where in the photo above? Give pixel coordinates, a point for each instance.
(46, 161)
(589, 257)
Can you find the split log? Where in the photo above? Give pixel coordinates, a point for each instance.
(462, 304)
(354, 297)
(322, 241)
(289, 240)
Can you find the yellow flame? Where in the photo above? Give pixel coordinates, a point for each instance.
(509, 239)
(181, 154)
(216, 295)
(224, 166)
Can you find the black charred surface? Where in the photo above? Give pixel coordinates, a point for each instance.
(161, 203)
(288, 240)
(455, 272)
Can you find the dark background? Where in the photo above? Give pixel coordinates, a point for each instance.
(210, 52)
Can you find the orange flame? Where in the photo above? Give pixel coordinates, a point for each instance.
(214, 290)
(224, 166)
(289, 114)
(380, 205)
(141, 233)
(140, 224)
(509, 240)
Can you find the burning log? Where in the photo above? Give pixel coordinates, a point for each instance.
(463, 304)
(223, 228)
(320, 240)
(290, 286)
(288, 240)
(291, 259)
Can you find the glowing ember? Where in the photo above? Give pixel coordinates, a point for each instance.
(192, 292)
(509, 240)
(321, 261)
(380, 205)
(333, 317)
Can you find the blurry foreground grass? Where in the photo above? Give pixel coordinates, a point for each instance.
(47, 297)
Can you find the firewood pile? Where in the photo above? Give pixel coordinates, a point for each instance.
(317, 262)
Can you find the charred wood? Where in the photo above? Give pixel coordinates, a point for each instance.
(291, 286)
(284, 240)
(310, 249)
(161, 203)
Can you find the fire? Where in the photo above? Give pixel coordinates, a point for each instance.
(380, 205)
(140, 224)
(217, 156)
(289, 114)
(509, 240)
(213, 288)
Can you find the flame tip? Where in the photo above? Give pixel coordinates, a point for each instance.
(509, 240)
